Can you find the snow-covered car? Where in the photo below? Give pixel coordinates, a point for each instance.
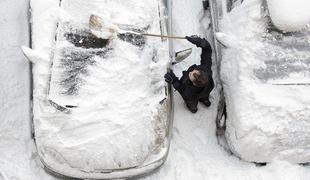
(265, 74)
(101, 108)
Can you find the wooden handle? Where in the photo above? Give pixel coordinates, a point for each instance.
(162, 36)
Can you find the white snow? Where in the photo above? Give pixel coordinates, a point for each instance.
(118, 122)
(265, 121)
(17, 152)
(194, 154)
(288, 15)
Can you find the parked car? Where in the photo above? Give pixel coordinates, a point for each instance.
(101, 108)
(265, 77)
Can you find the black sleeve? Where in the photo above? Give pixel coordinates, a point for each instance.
(177, 84)
(206, 58)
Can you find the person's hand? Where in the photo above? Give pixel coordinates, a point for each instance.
(170, 77)
(194, 39)
(199, 42)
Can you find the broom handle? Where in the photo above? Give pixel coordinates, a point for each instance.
(162, 36)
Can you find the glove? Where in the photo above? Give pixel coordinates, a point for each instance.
(170, 77)
(191, 36)
(199, 42)
(193, 39)
(205, 5)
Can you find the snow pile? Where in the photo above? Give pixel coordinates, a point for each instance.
(119, 122)
(265, 120)
(288, 15)
(17, 151)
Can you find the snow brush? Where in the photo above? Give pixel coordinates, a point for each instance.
(105, 30)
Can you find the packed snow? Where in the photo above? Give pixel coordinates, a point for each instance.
(288, 15)
(194, 153)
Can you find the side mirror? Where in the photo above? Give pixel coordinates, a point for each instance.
(181, 55)
(32, 55)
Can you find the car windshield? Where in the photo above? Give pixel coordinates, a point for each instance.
(285, 56)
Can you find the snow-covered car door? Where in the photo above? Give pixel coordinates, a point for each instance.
(101, 106)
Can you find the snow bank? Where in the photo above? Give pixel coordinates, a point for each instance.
(119, 122)
(265, 121)
(17, 150)
(288, 15)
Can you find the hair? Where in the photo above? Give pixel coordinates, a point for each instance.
(200, 78)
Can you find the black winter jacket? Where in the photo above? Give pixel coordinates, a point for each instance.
(185, 87)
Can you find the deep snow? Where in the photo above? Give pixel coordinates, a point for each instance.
(288, 15)
(265, 121)
(123, 75)
(17, 151)
(194, 152)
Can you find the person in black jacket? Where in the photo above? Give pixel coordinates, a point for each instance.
(196, 83)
